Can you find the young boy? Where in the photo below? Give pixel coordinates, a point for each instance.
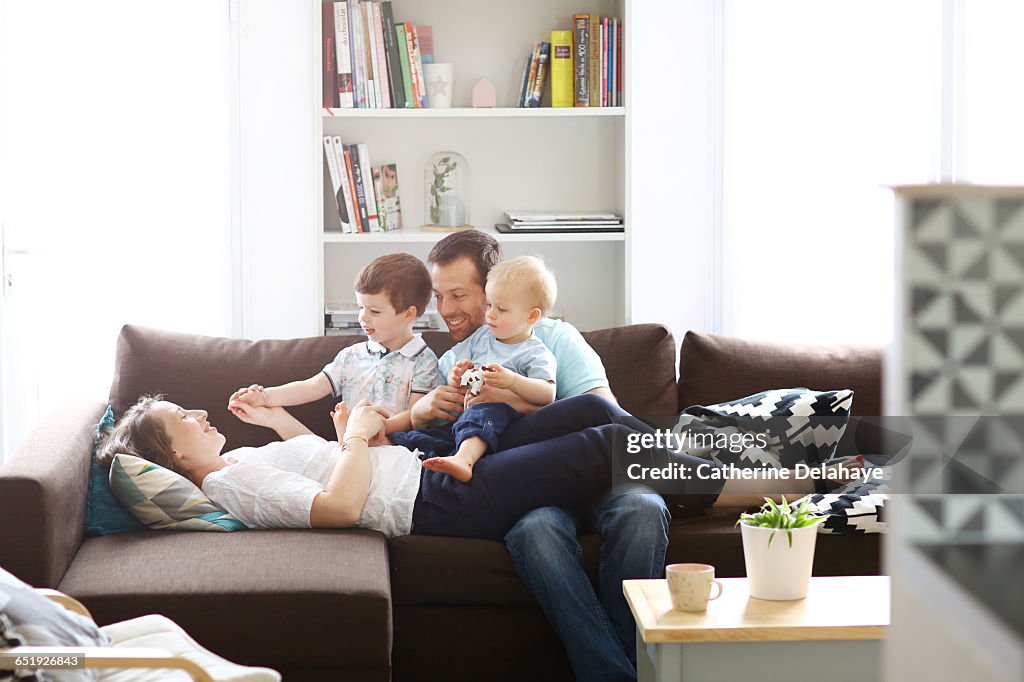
(519, 293)
(393, 368)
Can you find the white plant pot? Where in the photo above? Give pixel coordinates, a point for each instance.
(778, 572)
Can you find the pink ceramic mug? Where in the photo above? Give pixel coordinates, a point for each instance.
(690, 586)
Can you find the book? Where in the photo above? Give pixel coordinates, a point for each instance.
(379, 195)
(505, 228)
(403, 56)
(329, 56)
(551, 216)
(416, 61)
(532, 77)
(542, 71)
(414, 73)
(383, 81)
(358, 185)
(604, 62)
(619, 101)
(372, 84)
(611, 63)
(373, 220)
(524, 80)
(561, 69)
(395, 82)
(351, 208)
(425, 34)
(344, 54)
(594, 60)
(331, 157)
(357, 54)
(392, 202)
(581, 60)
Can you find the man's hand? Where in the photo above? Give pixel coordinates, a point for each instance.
(436, 405)
(456, 372)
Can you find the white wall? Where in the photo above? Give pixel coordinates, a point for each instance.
(276, 161)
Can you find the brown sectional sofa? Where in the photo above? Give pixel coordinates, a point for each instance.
(347, 604)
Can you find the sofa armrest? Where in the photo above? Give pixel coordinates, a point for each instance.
(42, 495)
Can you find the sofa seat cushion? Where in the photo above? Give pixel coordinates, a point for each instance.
(436, 571)
(280, 598)
(715, 539)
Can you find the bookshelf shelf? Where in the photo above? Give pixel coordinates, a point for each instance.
(537, 159)
(413, 235)
(462, 112)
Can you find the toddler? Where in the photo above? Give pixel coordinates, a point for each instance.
(393, 368)
(520, 292)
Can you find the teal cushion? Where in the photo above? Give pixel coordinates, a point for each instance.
(104, 515)
(165, 500)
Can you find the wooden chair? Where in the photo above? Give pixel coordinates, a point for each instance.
(182, 653)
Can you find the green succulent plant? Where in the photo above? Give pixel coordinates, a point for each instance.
(782, 517)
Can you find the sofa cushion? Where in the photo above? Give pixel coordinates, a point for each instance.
(103, 513)
(165, 500)
(272, 597)
(641, 366)
(714, 369)
(855, 509)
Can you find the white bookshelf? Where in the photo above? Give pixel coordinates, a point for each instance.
(524, 159)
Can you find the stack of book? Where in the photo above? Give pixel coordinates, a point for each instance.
(367, 196)
(370, 61)
(524, 222)
(343, 318)
(585, 65)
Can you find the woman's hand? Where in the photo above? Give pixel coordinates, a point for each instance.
(366, 421)
(456, 372)
(252, 414)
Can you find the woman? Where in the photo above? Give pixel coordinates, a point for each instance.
(305, 481)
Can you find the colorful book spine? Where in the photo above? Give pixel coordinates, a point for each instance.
(425, 36)
(611, 63)
(395, 82)
(403, 55)
(604, 62)
(378, 193)
(417, 62)
(581, 57)
(341, 31)
(383, 82)
(542, 71)
(594, 60)
(355, 29)
(352, 161)
(372, 86)
(532, 77)
(330, 66)
(351, 209)
(561, 69)
(619, 99)
(524, 80)
(339, 197)
(410, 46)
(373, 220)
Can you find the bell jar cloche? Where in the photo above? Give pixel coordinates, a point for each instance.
(446, 193)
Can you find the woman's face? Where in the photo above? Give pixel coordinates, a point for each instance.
(190, 433)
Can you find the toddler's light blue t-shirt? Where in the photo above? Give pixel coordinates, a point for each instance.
(529, 358)
(579, 367)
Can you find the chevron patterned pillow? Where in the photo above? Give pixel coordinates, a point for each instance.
(165, 500)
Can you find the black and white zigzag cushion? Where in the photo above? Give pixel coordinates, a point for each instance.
(796, 425)
(856, 509)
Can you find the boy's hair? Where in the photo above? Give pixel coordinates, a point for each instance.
(536, 281)
(139, 432)
(482, 249)
(402, 277)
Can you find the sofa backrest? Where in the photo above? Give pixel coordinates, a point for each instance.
(715, 368)
(202, 371)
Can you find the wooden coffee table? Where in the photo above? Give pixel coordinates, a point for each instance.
(833, 634)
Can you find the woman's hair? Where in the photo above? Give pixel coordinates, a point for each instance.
(533, 278)
(139, 432)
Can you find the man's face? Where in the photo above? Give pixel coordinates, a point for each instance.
(460, 296)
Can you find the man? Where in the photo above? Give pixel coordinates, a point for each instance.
(596, 629)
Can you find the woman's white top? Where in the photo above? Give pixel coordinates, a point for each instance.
(273, 486)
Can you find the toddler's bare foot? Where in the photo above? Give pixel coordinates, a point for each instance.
(455, 466)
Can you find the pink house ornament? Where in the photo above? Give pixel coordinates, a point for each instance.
(484, 94)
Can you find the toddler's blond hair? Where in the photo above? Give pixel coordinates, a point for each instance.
(532, 276)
